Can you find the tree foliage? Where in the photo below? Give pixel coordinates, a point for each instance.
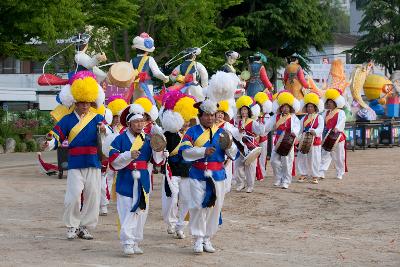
(281, 28)
(381, 23)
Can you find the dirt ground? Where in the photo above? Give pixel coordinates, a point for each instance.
(353, 222)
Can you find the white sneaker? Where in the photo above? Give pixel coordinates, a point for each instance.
(137, 249)
(277, 183)
(84, 233)
(240, 187)
(170, 229)
(71, 233)
(103, 211)
(208, 246)
(285, 186)
(249, 190)
(180, 234)
(198, 246)
(339, 177)
(128, 250)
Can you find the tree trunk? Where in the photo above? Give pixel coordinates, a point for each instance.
(114, 48)
(126, 44)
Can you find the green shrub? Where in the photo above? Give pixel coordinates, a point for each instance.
(31, 146)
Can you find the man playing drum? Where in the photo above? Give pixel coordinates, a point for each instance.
(312, 125)
(335, 120)
(264, 100)
(286, 124)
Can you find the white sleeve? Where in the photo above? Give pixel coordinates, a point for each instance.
(155, 70)
(51, 145)
(85, 60)
(295, 125)
(175, 73)
(233, 130)
(158, 157)
(258, 128)
(203, 74)
(320, 128)
(194, 153)
(232, 151)
(269, 124)
(341, 122)
(302, 125)
(122, 160)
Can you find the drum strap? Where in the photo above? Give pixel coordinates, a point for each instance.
(313, 117)
(176, 149)
(282, 120)
(331, 115)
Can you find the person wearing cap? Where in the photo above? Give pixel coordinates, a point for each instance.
(230, 60)
(285, 120)
(146, 66)
(117, 105)
(191, 72)
(81, 128)
(129, 154)
(264, 101)
(175, 193)
(259, 80)
(293, 77)
(84, 61)
(308, 164)
(200, 145)
(250, 129)
(335, 120)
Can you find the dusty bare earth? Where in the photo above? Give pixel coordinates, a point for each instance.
(353, 222)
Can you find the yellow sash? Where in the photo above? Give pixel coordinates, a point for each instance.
(189, 67)
(176, 149)
(137, 143)
(309, 119)
(282, 120)
(80, 126)
(205, 136)
(331, 114)
(143, 61)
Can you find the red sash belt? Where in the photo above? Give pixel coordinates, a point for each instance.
(317, 141)
(212, 166)
(83, 150)
(137, 165)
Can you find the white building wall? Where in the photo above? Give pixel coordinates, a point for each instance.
(355, 19)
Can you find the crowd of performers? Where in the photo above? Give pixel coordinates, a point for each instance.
(203, 138)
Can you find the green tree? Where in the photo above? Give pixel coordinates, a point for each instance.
(179, 24)
(334, 12)
(280, 28)
(27, 21)
(381, 41)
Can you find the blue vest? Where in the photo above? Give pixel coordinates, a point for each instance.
(87, 137)
(218, 156)
(146, 66)
(124, 183)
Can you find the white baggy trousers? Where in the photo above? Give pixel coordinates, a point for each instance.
(245, 173)
(338, 158)
(88, 182)
(175, 208)
(309, 164)
(282, 167)
(204, 222)
(132, 223)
